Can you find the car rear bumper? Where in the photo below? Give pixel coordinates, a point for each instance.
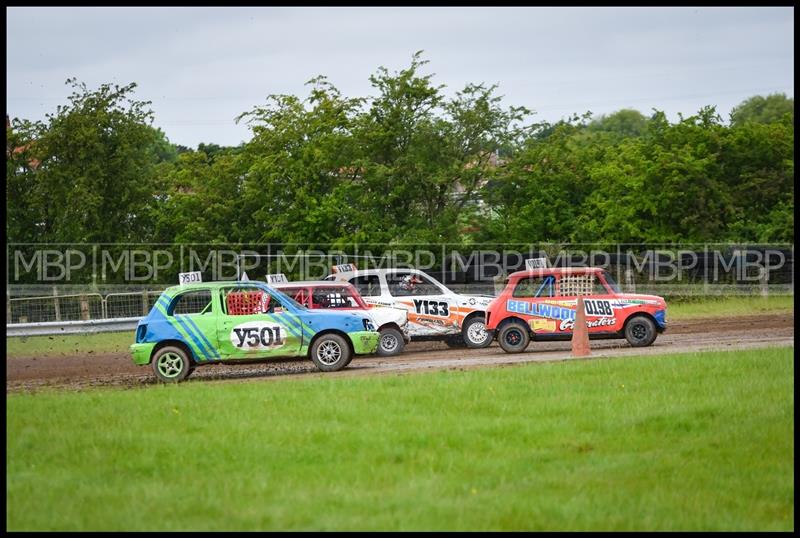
(365, 342)
(142, 352)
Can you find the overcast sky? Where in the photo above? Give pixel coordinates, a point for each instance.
(201, 67)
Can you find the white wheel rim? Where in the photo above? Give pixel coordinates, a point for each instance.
(329, 353)
(477, 333)
(389, 342)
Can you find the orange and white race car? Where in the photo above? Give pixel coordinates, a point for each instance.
(434, 312)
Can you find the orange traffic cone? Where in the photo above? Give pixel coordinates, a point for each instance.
(580, 333)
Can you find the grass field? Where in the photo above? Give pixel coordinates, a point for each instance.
(69, 344)
(673, 442)
(729, 306)
(120, 342)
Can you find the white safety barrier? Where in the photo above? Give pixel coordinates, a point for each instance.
(72, 327)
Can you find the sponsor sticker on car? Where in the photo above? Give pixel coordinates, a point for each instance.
(258, 335)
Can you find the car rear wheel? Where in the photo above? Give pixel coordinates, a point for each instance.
(391, 342)
(331, 353)
(475, 333)
(640, 331)
(172, 364)
(514, 337)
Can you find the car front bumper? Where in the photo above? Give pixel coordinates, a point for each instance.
(661, 320)
(365, 342)
(142, 352)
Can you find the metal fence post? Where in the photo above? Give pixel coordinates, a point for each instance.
(56, 304)
(84, 308)
(145, 303)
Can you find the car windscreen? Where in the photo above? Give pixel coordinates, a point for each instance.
(285, 299)
(612, 284)
(335, 297)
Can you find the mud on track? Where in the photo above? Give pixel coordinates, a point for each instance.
(79, 372)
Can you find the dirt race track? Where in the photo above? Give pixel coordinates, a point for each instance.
(116, 369)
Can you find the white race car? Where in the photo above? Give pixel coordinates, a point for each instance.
(434, 312)
(392, 323)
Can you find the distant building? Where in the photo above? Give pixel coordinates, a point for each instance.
(34, 163)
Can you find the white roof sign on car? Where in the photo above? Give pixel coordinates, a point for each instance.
(344, 268)
(277, 278)
(188, 278)
(536, 263)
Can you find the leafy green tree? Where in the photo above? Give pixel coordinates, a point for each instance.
(299, 152)
(760, 109)
(410, 166)
(625, 122)
(428, 159)
(539, 194)
(201, 198)
(164, 150)
(23, 208)
(407, 164)
(98, 167)
(759, 175)
(664, 186)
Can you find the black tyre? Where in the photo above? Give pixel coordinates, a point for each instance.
(514, 337)
(475, 334)
(391, 342)
(331, 353)
(172, 364)
(640, 331)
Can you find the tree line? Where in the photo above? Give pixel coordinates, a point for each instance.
(408, 164)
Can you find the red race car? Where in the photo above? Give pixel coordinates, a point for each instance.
(539, 304)
(391, 323)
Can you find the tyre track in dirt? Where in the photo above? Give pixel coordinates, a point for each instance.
(86, 371)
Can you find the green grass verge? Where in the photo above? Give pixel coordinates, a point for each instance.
(729, 306)
(670, 442)
(70, 344)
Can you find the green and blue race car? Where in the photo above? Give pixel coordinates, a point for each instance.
(202, 323)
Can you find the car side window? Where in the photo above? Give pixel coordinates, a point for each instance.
(191, 303)
(367, 286)
(575, 285)
(535, 286)
(333, 297)
(404, 284)
(246, 300)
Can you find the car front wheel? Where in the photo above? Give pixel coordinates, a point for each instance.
(330, 353)
(475, 333)
(640, 331)
(514, 338)
(391, 342)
